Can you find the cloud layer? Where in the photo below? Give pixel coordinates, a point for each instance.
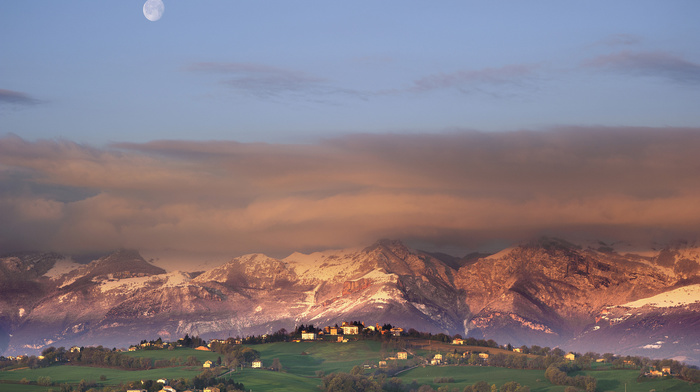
(463, 189)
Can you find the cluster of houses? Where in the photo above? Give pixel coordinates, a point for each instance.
(665, 371)
(349, 329)
(438, 359)
(168, 388)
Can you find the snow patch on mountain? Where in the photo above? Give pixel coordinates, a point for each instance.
(321, 266)
(62, 267)
(124, 285)
(497, 256)
(173, 279)
(173, 261)
(678, 297)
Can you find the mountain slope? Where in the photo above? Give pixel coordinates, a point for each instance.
(546, 292)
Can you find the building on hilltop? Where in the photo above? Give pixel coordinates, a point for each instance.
(308, 335)
(350, 329)
(402, 355)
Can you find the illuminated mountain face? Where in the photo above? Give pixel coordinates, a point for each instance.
(547, 292)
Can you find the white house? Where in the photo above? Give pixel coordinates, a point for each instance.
(308, 335)
(351, 330)
(257, 364)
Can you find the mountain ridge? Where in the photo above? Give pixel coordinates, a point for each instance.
(546, 291)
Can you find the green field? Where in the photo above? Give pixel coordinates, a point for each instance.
(608, 380)
(615, 380)
(21, 388)
(468, 375)
(301, 361)
(269, 381)
(328, 357)
(178, 352)
(73, 374)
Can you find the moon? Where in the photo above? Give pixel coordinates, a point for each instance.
(153, 9)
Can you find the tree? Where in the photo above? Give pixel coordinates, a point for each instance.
(474, 359)
(344, 382)
(276, 365)
(44, 381)
(481, 386)
(192, 361)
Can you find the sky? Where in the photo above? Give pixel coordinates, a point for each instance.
(275, 126)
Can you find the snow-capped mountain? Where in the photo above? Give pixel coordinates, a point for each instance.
(546, 292)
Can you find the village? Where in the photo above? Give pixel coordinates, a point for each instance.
(398, 351)
(353, 331)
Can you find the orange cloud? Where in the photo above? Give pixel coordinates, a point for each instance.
(461, 189)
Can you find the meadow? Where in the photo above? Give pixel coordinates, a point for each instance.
(302, 362)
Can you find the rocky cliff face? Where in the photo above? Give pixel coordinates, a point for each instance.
(545, 292)
(549, 290)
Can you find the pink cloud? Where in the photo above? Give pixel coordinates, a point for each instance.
(659, 64)
(456, 189)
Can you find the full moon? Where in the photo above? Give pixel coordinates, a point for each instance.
(153, 9)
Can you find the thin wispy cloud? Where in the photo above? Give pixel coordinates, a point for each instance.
(655, 64)
(500, 81)
(465, 188)
(9, 97)
(270, 83)
(619, 40)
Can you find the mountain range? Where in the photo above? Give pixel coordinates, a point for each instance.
(597, 296)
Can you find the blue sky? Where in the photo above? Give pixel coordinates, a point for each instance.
(276, 126)
(281, 71)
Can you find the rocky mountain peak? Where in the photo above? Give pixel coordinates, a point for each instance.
(124, 261)
(542, 292)
(27, 264)
(551, 244)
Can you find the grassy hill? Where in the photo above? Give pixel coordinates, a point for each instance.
(301, 361)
